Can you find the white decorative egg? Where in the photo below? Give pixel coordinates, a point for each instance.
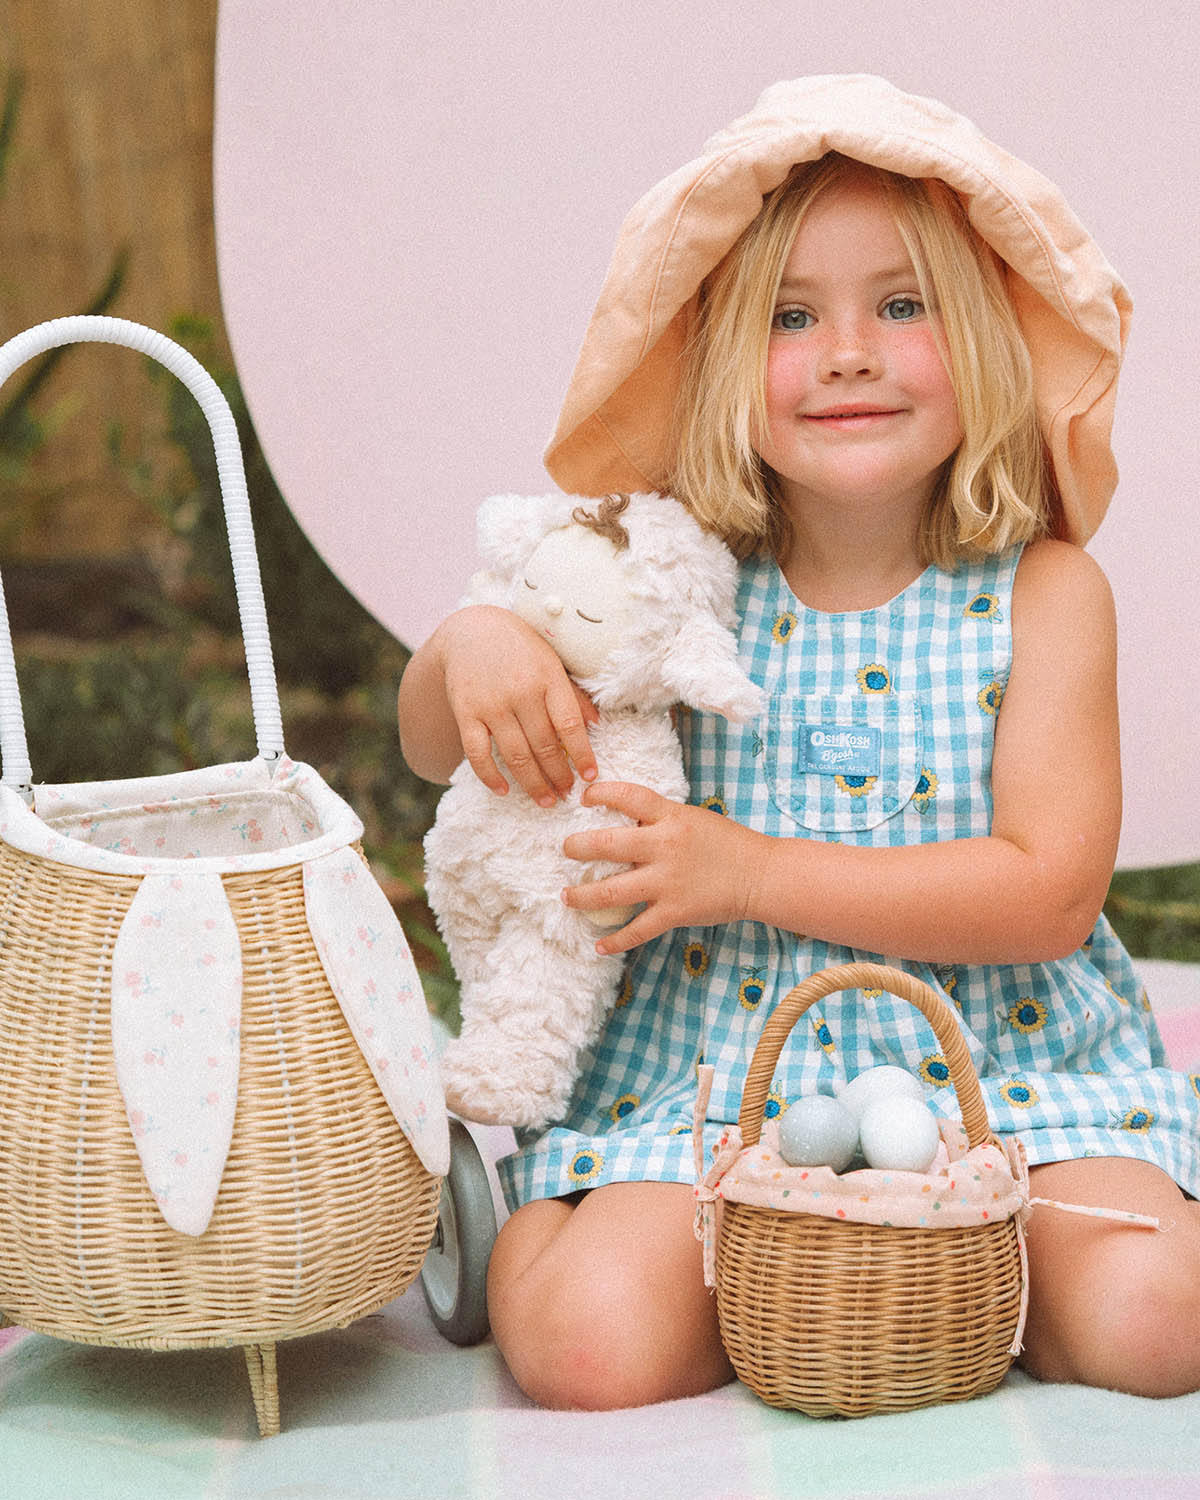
(818, 1131)
(899, 1135)
(886, 1082)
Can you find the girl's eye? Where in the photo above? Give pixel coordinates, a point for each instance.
(790, 320)
(903, 309)
(527, 584)
(591, 619)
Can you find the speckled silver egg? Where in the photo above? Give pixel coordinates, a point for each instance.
(818, 1131)
(899, 1135)
(886, 1082)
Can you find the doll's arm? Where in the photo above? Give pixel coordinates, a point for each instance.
(1029, 891)
(484, 678)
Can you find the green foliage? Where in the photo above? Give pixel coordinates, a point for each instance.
(105, 714)
(321, 636)
(23, 428)
(1157, 912)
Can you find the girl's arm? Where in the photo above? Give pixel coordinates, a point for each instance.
(485, 677)
(1029, 891)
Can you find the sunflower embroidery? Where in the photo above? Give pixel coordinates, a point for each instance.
(585, 1167)
(983, 607)
(783, 627)
(775, 1105)
(1027, 1015)
(874, 678)
(625, 1105)
(751, 990)
(1019, 1094)
(680, 1130)
(935, 1070)
(823, 1034)
(625, 993)
(1115, 993)
(872, 994)
(716, 803)
(1138, 1120)
(991, 697)
(855, 786)
(695, 960)
(926, 789)
(1194, 1080)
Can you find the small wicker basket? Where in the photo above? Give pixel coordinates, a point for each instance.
(324, 1211)
(830, 1317)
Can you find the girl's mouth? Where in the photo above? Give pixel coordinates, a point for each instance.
(850, 418)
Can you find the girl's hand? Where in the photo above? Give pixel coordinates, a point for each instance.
(503, 683)
(690, 867)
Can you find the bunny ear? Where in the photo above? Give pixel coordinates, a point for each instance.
(509, 527)
(700, 666)
(371, 971)
(176, 1014)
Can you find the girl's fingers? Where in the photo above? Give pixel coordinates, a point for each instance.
(570, 711)
(636, 802)
(534, 758)
(618, 845)
(617, 890)
(643, 927)
(477, 747)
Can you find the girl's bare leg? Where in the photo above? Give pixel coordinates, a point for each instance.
(601, 1303)
(1111, 1305)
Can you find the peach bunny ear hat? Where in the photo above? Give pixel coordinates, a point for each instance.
(613, 429)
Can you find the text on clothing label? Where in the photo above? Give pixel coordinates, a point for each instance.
(830, 750)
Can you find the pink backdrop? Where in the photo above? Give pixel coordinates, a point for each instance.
(415, 207)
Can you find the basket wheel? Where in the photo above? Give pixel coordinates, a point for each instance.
(454, 1275)
(264, 1387)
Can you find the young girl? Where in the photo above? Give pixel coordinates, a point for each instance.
(878, 356)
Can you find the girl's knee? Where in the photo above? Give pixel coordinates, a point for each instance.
(584, 1322)
(1126, 1323)
(571, 1358)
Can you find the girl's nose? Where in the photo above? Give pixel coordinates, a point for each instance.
(850, 352)
(553, 605)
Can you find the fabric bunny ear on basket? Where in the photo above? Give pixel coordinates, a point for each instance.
(190, 848)
(176, 1020)
(177, 1059)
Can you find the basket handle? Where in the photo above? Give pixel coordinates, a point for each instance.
(264, 694)
(858, 976)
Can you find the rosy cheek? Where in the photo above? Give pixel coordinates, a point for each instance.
(927, 368)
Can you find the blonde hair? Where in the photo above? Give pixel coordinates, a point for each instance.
(996, 489)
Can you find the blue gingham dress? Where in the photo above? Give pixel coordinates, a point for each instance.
(879, 731)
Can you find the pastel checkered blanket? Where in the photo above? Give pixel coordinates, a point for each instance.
(386, 1410)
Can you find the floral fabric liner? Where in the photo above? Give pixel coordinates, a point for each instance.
(176, 992)
(243, 816)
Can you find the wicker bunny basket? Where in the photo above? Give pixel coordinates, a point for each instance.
(325, 1209)
(828, 1316)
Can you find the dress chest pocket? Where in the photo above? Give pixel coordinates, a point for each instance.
(843, 764)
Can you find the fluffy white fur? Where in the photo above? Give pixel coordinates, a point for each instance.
(535, 993)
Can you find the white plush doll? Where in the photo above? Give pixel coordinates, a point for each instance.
(638, 602)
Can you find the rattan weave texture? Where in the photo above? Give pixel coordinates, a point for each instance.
(325, 1211)
(830, 1317)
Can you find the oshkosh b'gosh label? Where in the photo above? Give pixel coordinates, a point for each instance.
(831, 750)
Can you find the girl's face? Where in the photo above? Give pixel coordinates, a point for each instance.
(860, 408)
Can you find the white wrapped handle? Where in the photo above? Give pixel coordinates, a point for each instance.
(264, 695)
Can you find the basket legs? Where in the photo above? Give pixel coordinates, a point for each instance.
(264, 1387)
